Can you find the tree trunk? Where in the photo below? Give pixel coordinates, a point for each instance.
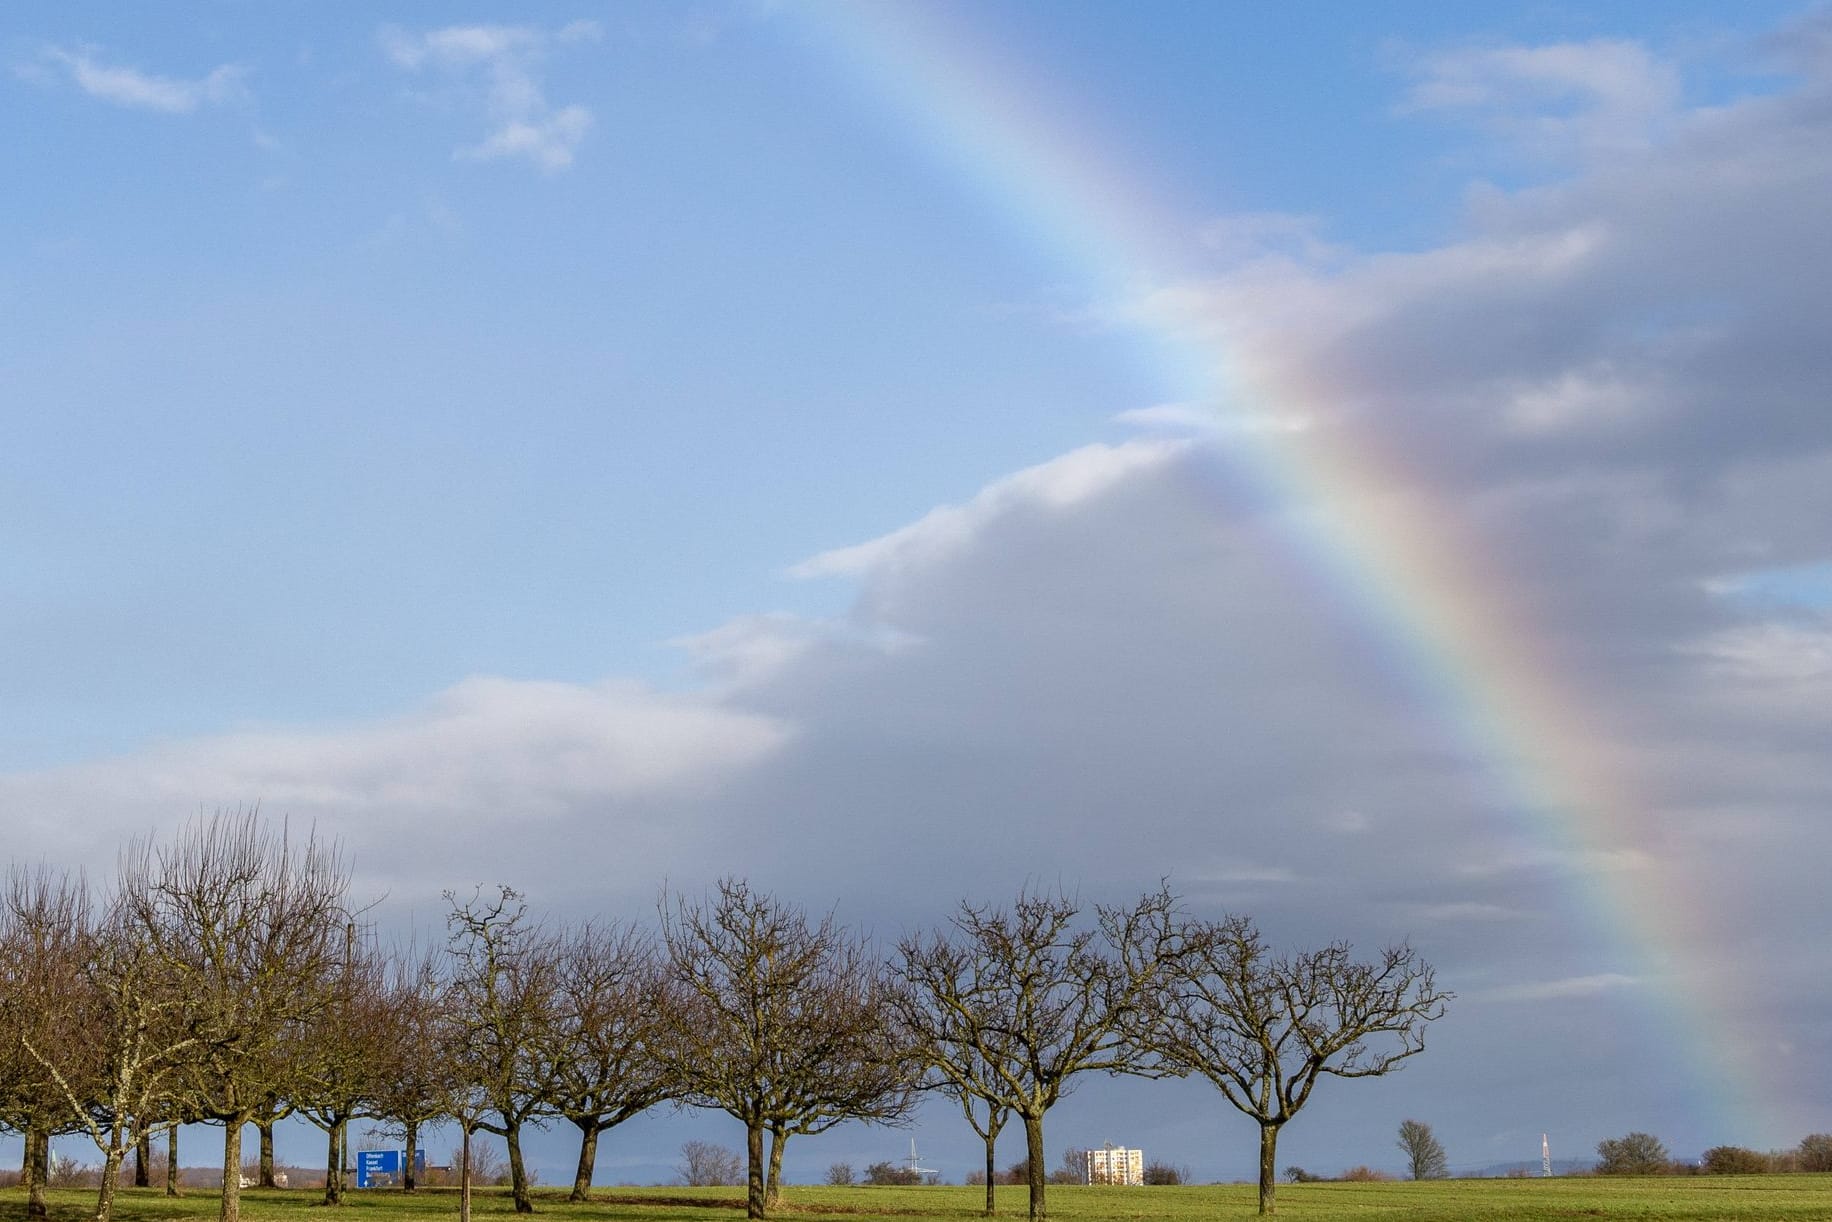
(992, 1172)
(753, 1171)
(111, 1176)
(143, 1154)
(1033, 1144)
(333, 1163)
(518, 1174)
(412, 1129)
(36, 1171)
(1268, 1173)
(266, 1179)
(588, 1159)
(772, 1186)
(231, 1210)
(464, 1174)
(171, 1161)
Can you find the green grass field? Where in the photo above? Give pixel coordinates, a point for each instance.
(1669, 1198)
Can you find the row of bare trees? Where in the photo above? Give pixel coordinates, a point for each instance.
(226, 976)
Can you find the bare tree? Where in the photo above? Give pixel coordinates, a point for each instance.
(1425, 1157)
(342, 1057)
(139, 1038)
(47, 1016)
(504, 1001)
(1011, 1004)
(415, 1081)
(706, 1165)
(250, 921)
(786, 1026)
(986, 1117)
(616, 1005)
(1815, 1152)
(1265, 1028)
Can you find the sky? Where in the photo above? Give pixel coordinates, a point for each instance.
(1367, 465)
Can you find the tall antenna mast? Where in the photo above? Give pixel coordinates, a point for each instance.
(1545, 1155)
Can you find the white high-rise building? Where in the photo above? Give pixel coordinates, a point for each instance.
(1114, 1165)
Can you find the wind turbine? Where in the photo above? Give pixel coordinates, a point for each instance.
(914, 1164)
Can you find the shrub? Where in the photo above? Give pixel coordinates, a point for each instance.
(1298, 1175)
(839, 1175)
(1165, 1173)
(1363, 1175)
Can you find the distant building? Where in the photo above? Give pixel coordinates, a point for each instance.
(1113, 1165)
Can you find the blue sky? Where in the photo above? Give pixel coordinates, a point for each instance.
(431, 422)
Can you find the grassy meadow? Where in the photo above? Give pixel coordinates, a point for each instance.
(1750, 1197)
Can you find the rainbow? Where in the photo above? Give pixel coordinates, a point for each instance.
(1359, 523)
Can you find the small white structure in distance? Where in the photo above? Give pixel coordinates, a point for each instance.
(1115, 1165)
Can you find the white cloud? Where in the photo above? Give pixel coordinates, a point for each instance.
(506, 61)
(486, 761)
(1061, 482)
(1597, 98)
(1788, 654)
(1212, 421)
(130, 87)
(548, 142)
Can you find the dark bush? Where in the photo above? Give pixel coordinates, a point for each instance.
(1734, 1160)
(1635, 1154)
(890, 1174)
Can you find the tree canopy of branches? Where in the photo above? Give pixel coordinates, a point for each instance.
(1425, 1157)
(503, 1007)
(786, 1026)
(1265, 1028)
(1009, 1005)
(1633, 1154)
(249, 922)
